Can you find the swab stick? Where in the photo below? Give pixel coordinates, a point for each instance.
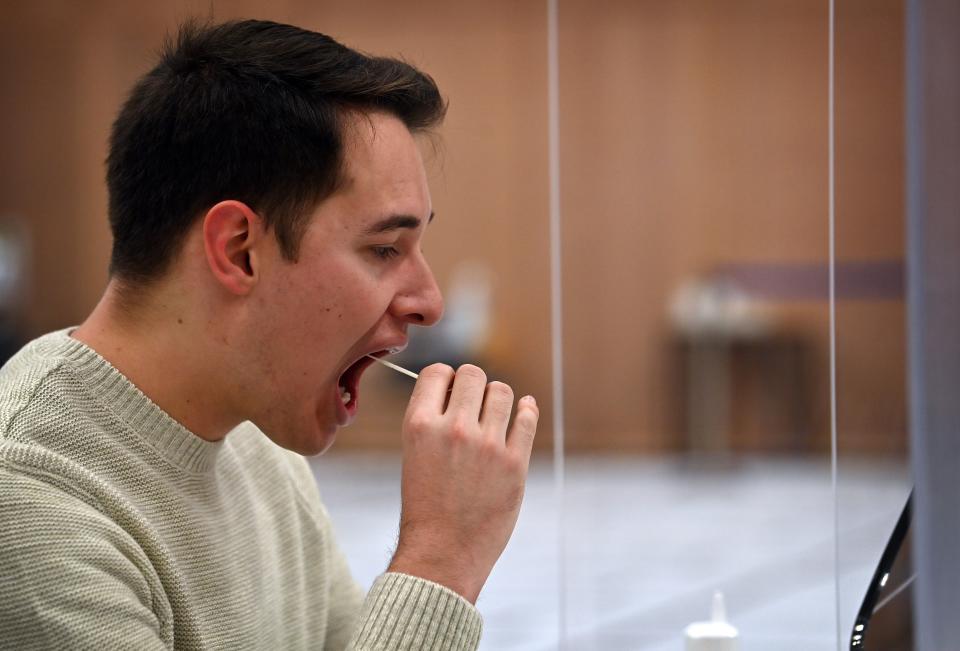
(398, 369)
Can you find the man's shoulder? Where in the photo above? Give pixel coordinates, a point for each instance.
(43, 418)
(31, 470)
(43, 353)
(36, 379)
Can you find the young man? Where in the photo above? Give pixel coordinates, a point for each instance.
(267, 201)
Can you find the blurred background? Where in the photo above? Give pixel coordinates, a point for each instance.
(694, 196)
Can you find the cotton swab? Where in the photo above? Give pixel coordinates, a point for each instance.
(398, 369)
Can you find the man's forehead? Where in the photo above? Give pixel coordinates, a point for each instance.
(382, 170)
(375, 135)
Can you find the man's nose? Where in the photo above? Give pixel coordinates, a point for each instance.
(421, 302)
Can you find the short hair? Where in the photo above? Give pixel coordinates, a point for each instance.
(248, 110)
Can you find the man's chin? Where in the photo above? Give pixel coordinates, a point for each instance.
(318, 444)
(311, 443)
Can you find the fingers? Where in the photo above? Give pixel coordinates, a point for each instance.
(466, 399)
(430, 392)
(521, 435)
(472, 400)
(497, 405)
(464, 470)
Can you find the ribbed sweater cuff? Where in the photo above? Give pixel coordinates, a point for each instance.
(407, 612)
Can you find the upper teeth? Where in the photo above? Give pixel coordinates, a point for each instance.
(345, 395)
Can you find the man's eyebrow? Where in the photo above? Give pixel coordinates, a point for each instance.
(394, 222)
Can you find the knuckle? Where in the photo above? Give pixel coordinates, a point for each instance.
(498, 410)
(460, 429)
(471, 371)
(500, 389)
(531, 417)
(438, 370)
(515, 465)
(418, 421)
(526, 425)
(490, 449)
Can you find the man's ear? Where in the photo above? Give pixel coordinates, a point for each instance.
(231, 231)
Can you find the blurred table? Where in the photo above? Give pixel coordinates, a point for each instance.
(750, 393)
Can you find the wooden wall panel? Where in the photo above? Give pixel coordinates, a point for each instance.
(692, 134)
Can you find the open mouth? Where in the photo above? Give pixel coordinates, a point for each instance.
(349, 382)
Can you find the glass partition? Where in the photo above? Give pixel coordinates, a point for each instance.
(872, 436)
(694, 188)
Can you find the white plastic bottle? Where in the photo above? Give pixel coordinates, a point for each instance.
(715, 635)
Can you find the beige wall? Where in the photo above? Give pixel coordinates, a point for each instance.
(695, 134)
(692, 134)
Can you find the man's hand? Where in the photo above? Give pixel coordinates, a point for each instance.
(463, 476)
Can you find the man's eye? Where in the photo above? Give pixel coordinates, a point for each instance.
(385, 252)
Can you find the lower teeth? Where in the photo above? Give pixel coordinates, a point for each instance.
(345, 396)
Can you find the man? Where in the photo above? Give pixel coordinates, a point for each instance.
(267, 202)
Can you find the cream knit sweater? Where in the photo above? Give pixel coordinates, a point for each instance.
(119, 529)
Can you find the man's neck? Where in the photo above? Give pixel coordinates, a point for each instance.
(165, 354)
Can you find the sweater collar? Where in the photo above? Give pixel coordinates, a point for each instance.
(175, 442)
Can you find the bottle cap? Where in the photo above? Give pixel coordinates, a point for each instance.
(715, 635)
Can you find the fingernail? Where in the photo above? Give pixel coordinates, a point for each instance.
(531, 400)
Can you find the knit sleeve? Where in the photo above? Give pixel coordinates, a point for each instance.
(69, 577)
(407, 612)
(400, 612)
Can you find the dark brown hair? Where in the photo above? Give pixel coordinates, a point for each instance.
(247, 110)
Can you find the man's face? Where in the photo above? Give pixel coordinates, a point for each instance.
(359, 281)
